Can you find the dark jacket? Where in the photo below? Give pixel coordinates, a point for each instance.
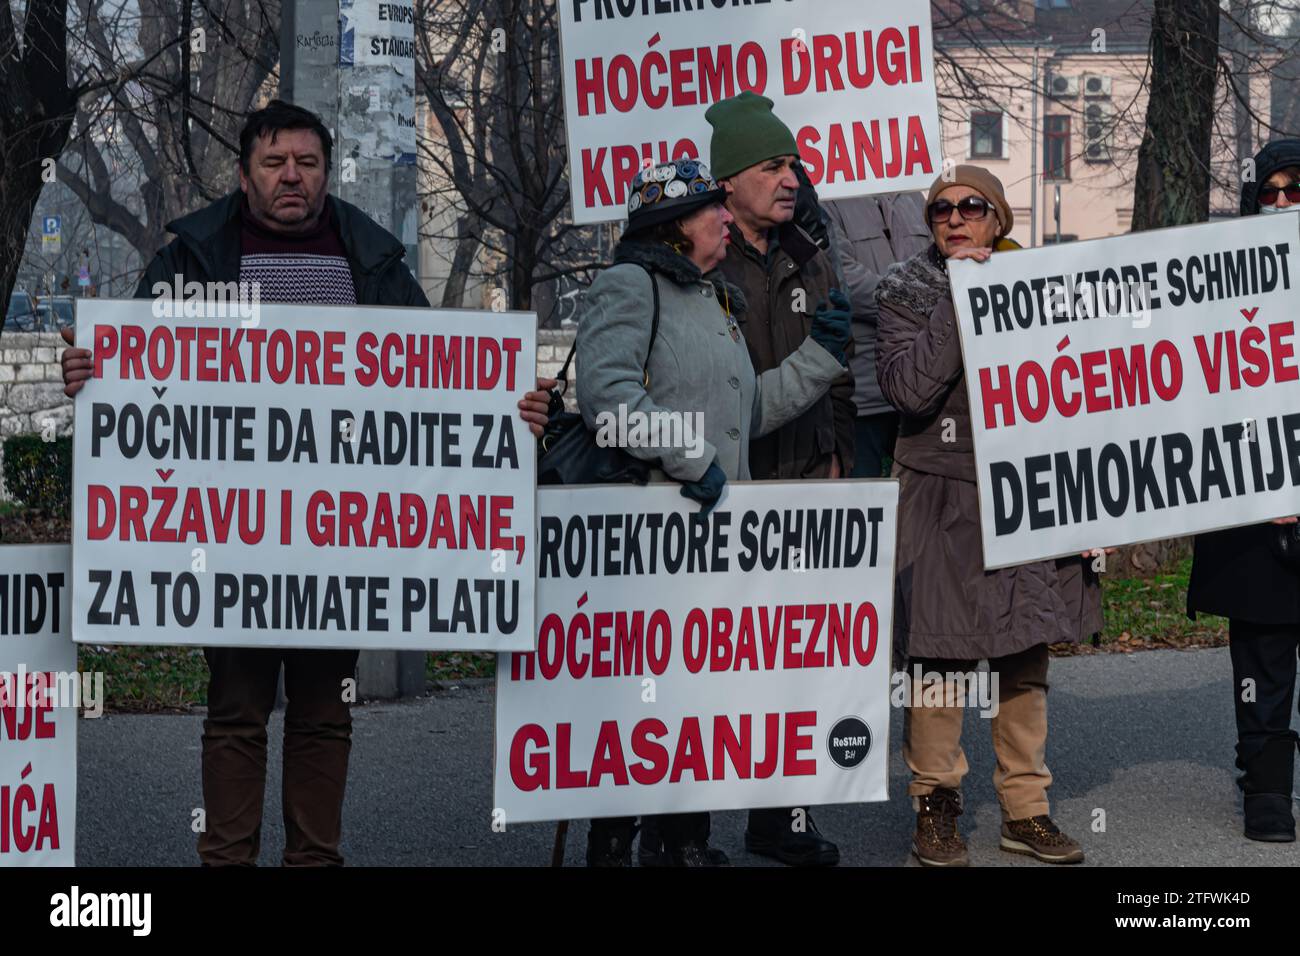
(206, 249)
(774, 329)
(1234, 572)
(871, 234)
(946, 604)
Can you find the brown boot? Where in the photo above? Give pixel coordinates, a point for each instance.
(936, 841)
(1038, 837)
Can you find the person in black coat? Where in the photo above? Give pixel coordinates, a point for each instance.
(1250, 575)
(280, 238)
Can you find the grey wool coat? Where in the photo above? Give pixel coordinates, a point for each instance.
(946, 605)
(871, 234)
(696, 365)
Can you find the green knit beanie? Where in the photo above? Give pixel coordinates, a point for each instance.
(746, 132)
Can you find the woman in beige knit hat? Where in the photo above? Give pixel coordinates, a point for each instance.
(950, 612)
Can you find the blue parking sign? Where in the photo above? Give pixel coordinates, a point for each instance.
(53, 225)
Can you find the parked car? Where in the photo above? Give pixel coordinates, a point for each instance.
(21, 316)
(56, 312)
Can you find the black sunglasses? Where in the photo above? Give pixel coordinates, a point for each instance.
(1268, 194)
(971, 208)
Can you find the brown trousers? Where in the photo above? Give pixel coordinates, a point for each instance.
(932, 735)
(317, 741)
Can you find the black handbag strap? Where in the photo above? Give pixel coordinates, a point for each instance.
(563, 374)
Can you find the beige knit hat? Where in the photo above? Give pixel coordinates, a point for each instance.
(983, 182)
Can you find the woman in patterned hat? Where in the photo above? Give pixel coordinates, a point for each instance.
(697, 364)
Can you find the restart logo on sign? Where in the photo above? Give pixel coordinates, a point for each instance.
(849, 742)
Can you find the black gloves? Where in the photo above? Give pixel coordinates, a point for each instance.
(1285, 542)
(808, 214)
(831, 325)
(708, 489)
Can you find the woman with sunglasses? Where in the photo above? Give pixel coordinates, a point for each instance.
(950, 613)
(1251, 576)
(695, 362)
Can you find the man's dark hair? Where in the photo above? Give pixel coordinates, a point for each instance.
(272, 118)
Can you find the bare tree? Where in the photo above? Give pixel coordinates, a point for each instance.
(37, 102)
(1173, 173)
(499, 192)
(175, 126)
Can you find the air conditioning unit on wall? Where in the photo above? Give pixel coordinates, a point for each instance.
(1098, 124)
(1096, 86)
(1060, 86)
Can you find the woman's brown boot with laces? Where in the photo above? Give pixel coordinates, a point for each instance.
(1039, 837)
(937, 842)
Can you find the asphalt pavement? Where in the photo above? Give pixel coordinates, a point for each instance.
(1141, 748)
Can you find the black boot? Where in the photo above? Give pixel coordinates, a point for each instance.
(1269, 818)
(609, 841)
(678, 839)
(774, 833)
(1268, 782)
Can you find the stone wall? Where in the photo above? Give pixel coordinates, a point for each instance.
(31, 386)
(31, 383)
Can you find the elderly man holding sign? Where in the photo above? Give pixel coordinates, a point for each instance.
(283, 236)
(951, 612)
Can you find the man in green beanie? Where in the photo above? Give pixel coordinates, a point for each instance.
(786, 279)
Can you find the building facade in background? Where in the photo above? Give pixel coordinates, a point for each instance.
(1051, 96)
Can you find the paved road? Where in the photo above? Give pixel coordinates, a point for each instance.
(1145, 737)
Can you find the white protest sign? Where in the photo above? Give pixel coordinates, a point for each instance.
(702, 663)
(307, 476)
(1133, 388)
(39, 694)
(854, 82)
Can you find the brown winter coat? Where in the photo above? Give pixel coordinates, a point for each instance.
(774, 329)
(947, 605)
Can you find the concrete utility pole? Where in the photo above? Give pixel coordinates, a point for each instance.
(352, 62)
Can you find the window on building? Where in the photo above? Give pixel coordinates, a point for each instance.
(986, 134)
(1056, 147)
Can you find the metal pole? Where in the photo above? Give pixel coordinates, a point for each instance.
(1056, 211)
(1035, 90)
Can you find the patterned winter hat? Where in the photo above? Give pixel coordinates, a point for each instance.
(669, 191)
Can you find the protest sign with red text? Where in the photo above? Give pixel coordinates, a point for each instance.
(316, 477)
(689, 662)
(854, 82)
(1133, 388)
(39, 692)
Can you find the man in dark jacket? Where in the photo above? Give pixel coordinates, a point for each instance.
(283, 231)
(1243, 574)
(785, 279)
